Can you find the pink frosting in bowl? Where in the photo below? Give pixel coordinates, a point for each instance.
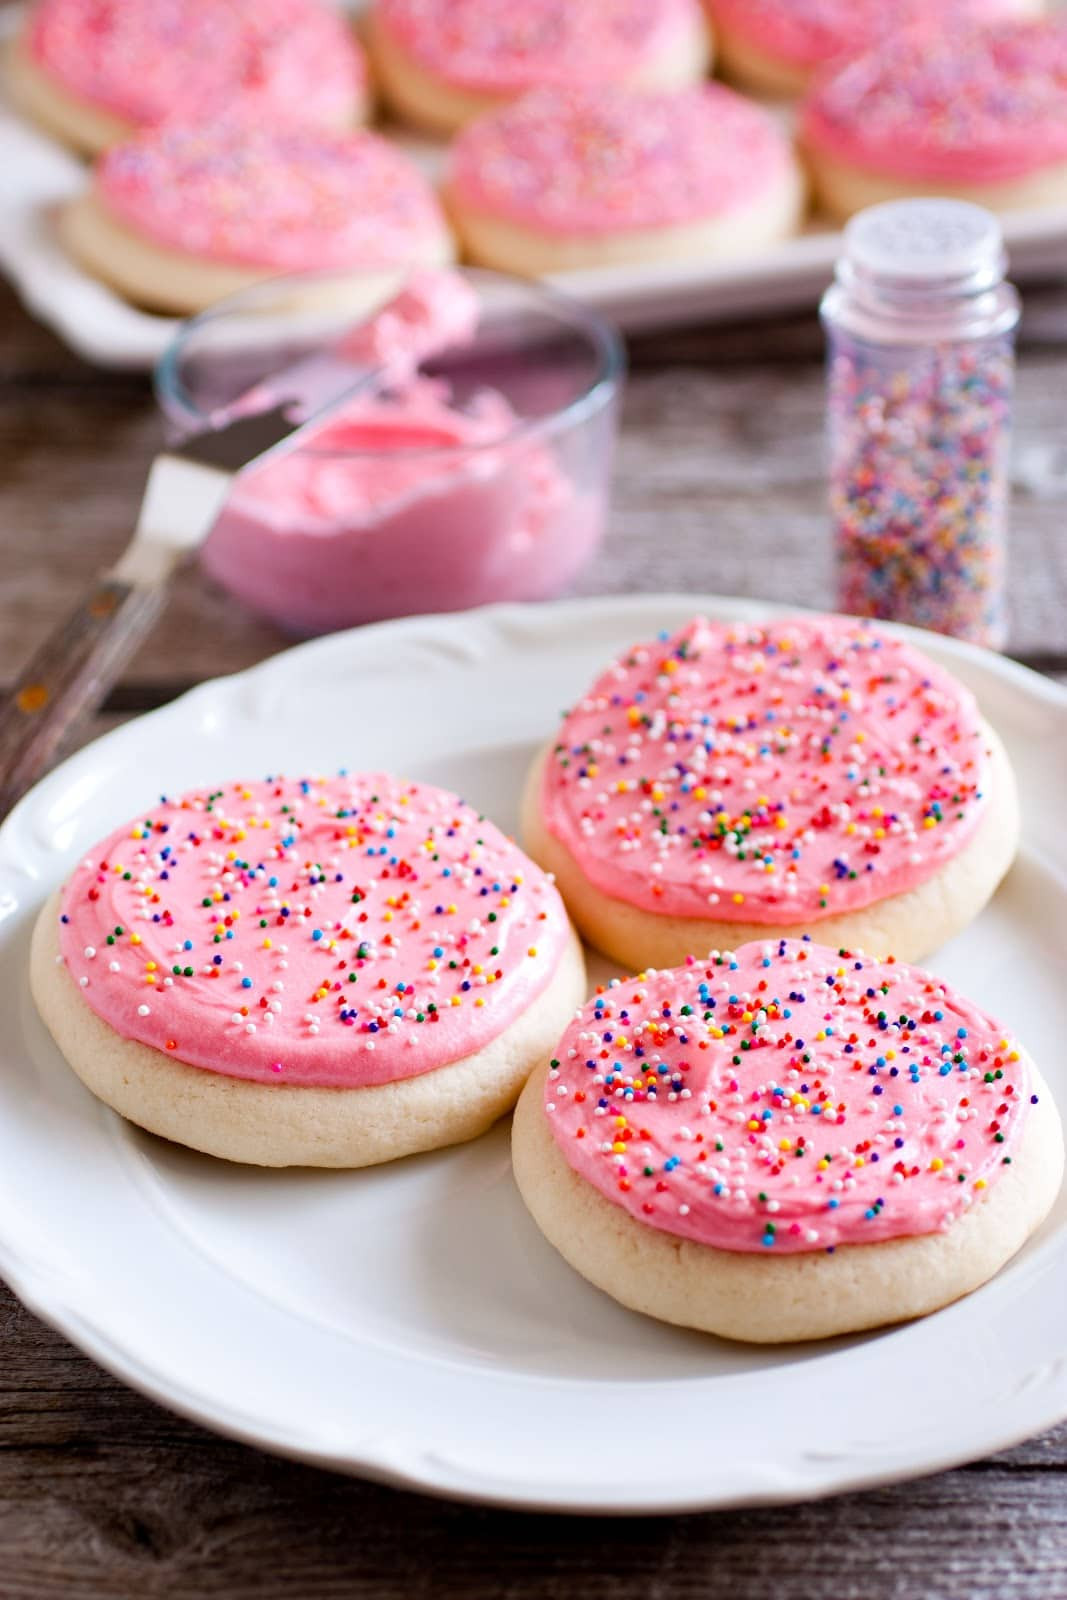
(599, 161)
(482, 45)
(145, 60)
(810, 33)
(282, 198)
(787, 1097)
(322, 931)
(778, 772)
(973, 106)
(405, 505)
(474, 466)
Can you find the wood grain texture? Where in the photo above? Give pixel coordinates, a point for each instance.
(719, 488)
(103, 1495)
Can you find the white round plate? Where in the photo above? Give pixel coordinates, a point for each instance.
(409, 1323)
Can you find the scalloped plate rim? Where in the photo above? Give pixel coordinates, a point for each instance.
(43, 1289)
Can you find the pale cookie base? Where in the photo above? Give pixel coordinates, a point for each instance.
(753, 69)
(86, 128)
(161, 279)
(436, 106)
(843, 190)
(908, 926)
(529, 252)
(284, 1125)
(774, 1299)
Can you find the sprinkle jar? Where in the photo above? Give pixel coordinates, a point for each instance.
(920, 326)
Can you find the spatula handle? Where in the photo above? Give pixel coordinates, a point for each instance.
(69, 676)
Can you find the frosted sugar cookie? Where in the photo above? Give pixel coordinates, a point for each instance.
(735, 780)
(91, 71)
(568, 178)
(441, 63)
(787, 1142)
(978, 114)
(182, 215)
(777, 46)
(323, 972)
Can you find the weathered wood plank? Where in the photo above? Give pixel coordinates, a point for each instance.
(104, 1494)
(719, 488)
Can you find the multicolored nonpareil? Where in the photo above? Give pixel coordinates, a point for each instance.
(919, 441)
(786, 1096)
(336, 932)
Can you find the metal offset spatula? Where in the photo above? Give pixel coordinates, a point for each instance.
(187, 487)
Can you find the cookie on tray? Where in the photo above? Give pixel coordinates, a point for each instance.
(183, 215)
(441, 63)
(90, 73)
(977, 114)
(593, 177)
(778, 47)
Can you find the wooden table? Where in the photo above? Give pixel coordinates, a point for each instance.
(103, 1494)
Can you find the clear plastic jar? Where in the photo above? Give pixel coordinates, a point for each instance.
(920, 327)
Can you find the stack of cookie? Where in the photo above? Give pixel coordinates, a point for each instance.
(583, 135)
(776, 1129)
(227, 143)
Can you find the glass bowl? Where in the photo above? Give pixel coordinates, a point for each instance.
(483, 476)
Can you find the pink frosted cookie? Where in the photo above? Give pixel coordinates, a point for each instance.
(91, 71)
(980, 114)
(777, 46)
(570, 178)
(787, 1142)
(736, 780)
(180, 216)
(325, 972)
(441, 63)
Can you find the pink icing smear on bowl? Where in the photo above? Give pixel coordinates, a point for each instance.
(329, 931)
(979, 105)
(144, 60)
(285, 198)
(777, 772)
(506, 48)
(587, 161)
(788, 1098)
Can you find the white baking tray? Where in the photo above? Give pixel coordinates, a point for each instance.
(38, 175)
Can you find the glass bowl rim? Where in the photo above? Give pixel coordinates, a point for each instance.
(599, 334)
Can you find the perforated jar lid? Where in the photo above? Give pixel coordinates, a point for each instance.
(927, 241)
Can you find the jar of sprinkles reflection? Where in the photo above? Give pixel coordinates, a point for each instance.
(920, 326)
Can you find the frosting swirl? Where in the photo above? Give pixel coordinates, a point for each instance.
(593, 161)
(809, 33)
(287, 198)
(787, 1097)
(482, 45)
(776, 772)
(329, 931)
(152, 59)
(980, 104)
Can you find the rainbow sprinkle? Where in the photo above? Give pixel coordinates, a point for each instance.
(787, 1097)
